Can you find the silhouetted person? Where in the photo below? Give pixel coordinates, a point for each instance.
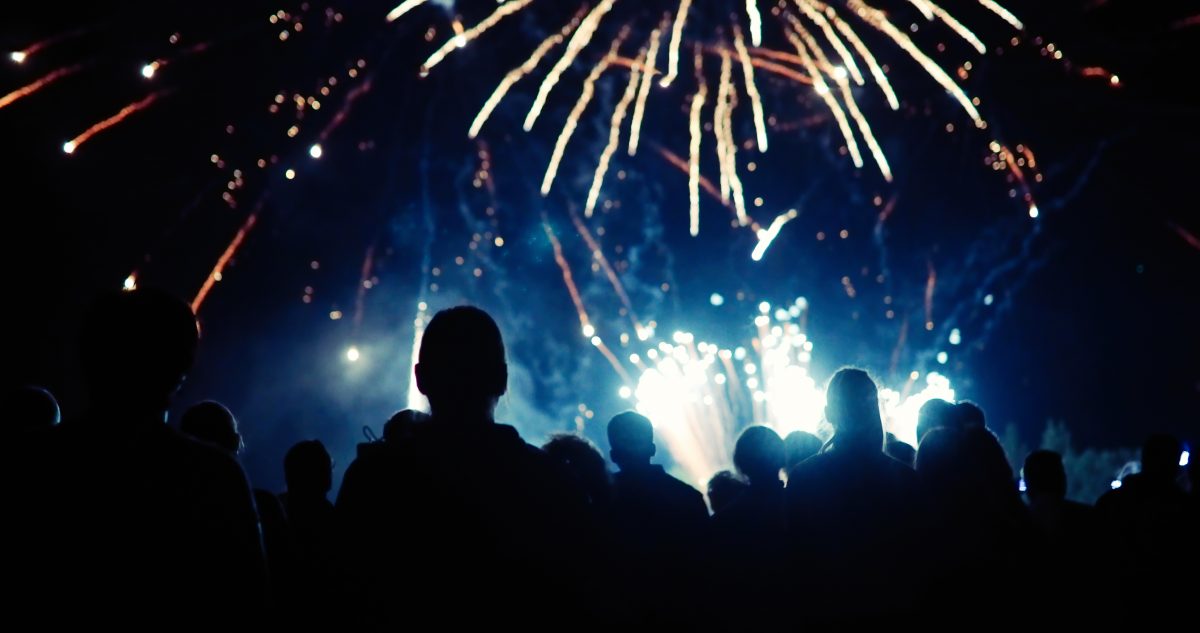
(463, 523)
(213, 422)
(749, 536)
(902, 452)
(724, 488)
(982, 538)
(586, 463)
(28, 409)
(968, 415)
(934, 414)
(853, 514)
(659, 522)
(799, 446)
(308, 473)
(130, 522)
(1151, 530)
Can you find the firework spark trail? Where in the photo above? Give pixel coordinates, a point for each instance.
(519, 73)
(149, 71)
(878, 19)
(1185, 235)
(609, 271)
(861, 48)
(953, 23)
(823, 90)
(767, 236)
(832, 37)
(402, 8)
(755, 17)
(864, 127)
(585, 96)
(339, 118)
(760, 125)
(781, 70)
(461, 40)
(364, 284)
(47, 79)
(694, 148)
(639, 110)
(1004, 14)
(70, 146)
(930, 287)
(682, 165)
(719, 116)
(731, 183)
(901, 340)
(614, 141)
(582, 37)
(223, 261)
(22, 55)
(676, 40)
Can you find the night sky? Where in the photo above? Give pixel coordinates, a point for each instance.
(1096, 304)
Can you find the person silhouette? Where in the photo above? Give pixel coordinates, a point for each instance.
(934, 414)
(968, 415)
(312, 591)
(586, 464)
(30, 410)
(800, 445)
(130, 522)
(902, 452)
(463, 509)
(749, 536)
(724, 488)
(854, 514)
(660, 523)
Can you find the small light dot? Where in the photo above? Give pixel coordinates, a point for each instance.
(289, 174)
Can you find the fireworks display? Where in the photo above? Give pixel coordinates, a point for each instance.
(599, 136)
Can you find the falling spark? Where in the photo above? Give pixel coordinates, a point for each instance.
(930, 287)
(568, 279)
(876, 70)
(614, 140)
(516, 75)
(149, 69)
(130, 282)
(585, 96)
(831, 35)
(581, 38)
(639, 110)
(755, 22)
(402, 8)
(760, 126)
(694, 148)
(826, 94)
(682, 165)
(726, 145)
(957, 27)
(70, 146)
(606, 266)
(879, 20)
(1004, 14)
(230, 251)
(48, 79)
(462, 39)
(767, 236)
(676, 40)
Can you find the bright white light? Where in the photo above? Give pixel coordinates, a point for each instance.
(1183, 458)
(289, 174)
(764, 307)
(943, 357)
(18, 56)
(987, 301)
(596, 341)
(955, 337)
(69, 147)
(625, 392)
(839, 72)
(1021, 485)
(1116, 483)
(130, 283)
(352, 354)
(716, 299)
(1033, 211)
(588, 330)
(315, 151)
(149, 69)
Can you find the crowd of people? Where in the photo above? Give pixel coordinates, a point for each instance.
(452, 520)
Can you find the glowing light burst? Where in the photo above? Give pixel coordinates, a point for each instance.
(70, 146)
(700, 395)
(790, 21)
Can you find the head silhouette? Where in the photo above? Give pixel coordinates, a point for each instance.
(136, 348)
(852, 407)
(1044, 475)
(461, 366)
(934, 414)
(584, 461)
(30, 408)
(723, 490)
(211, 422)
(631, 439)
(1160, 457)
(403, 424)
(308, 469)
(759, 455)
(902, 452)
(968, 415)
(799, 446)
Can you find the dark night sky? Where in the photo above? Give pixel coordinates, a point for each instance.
(1103, 334)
